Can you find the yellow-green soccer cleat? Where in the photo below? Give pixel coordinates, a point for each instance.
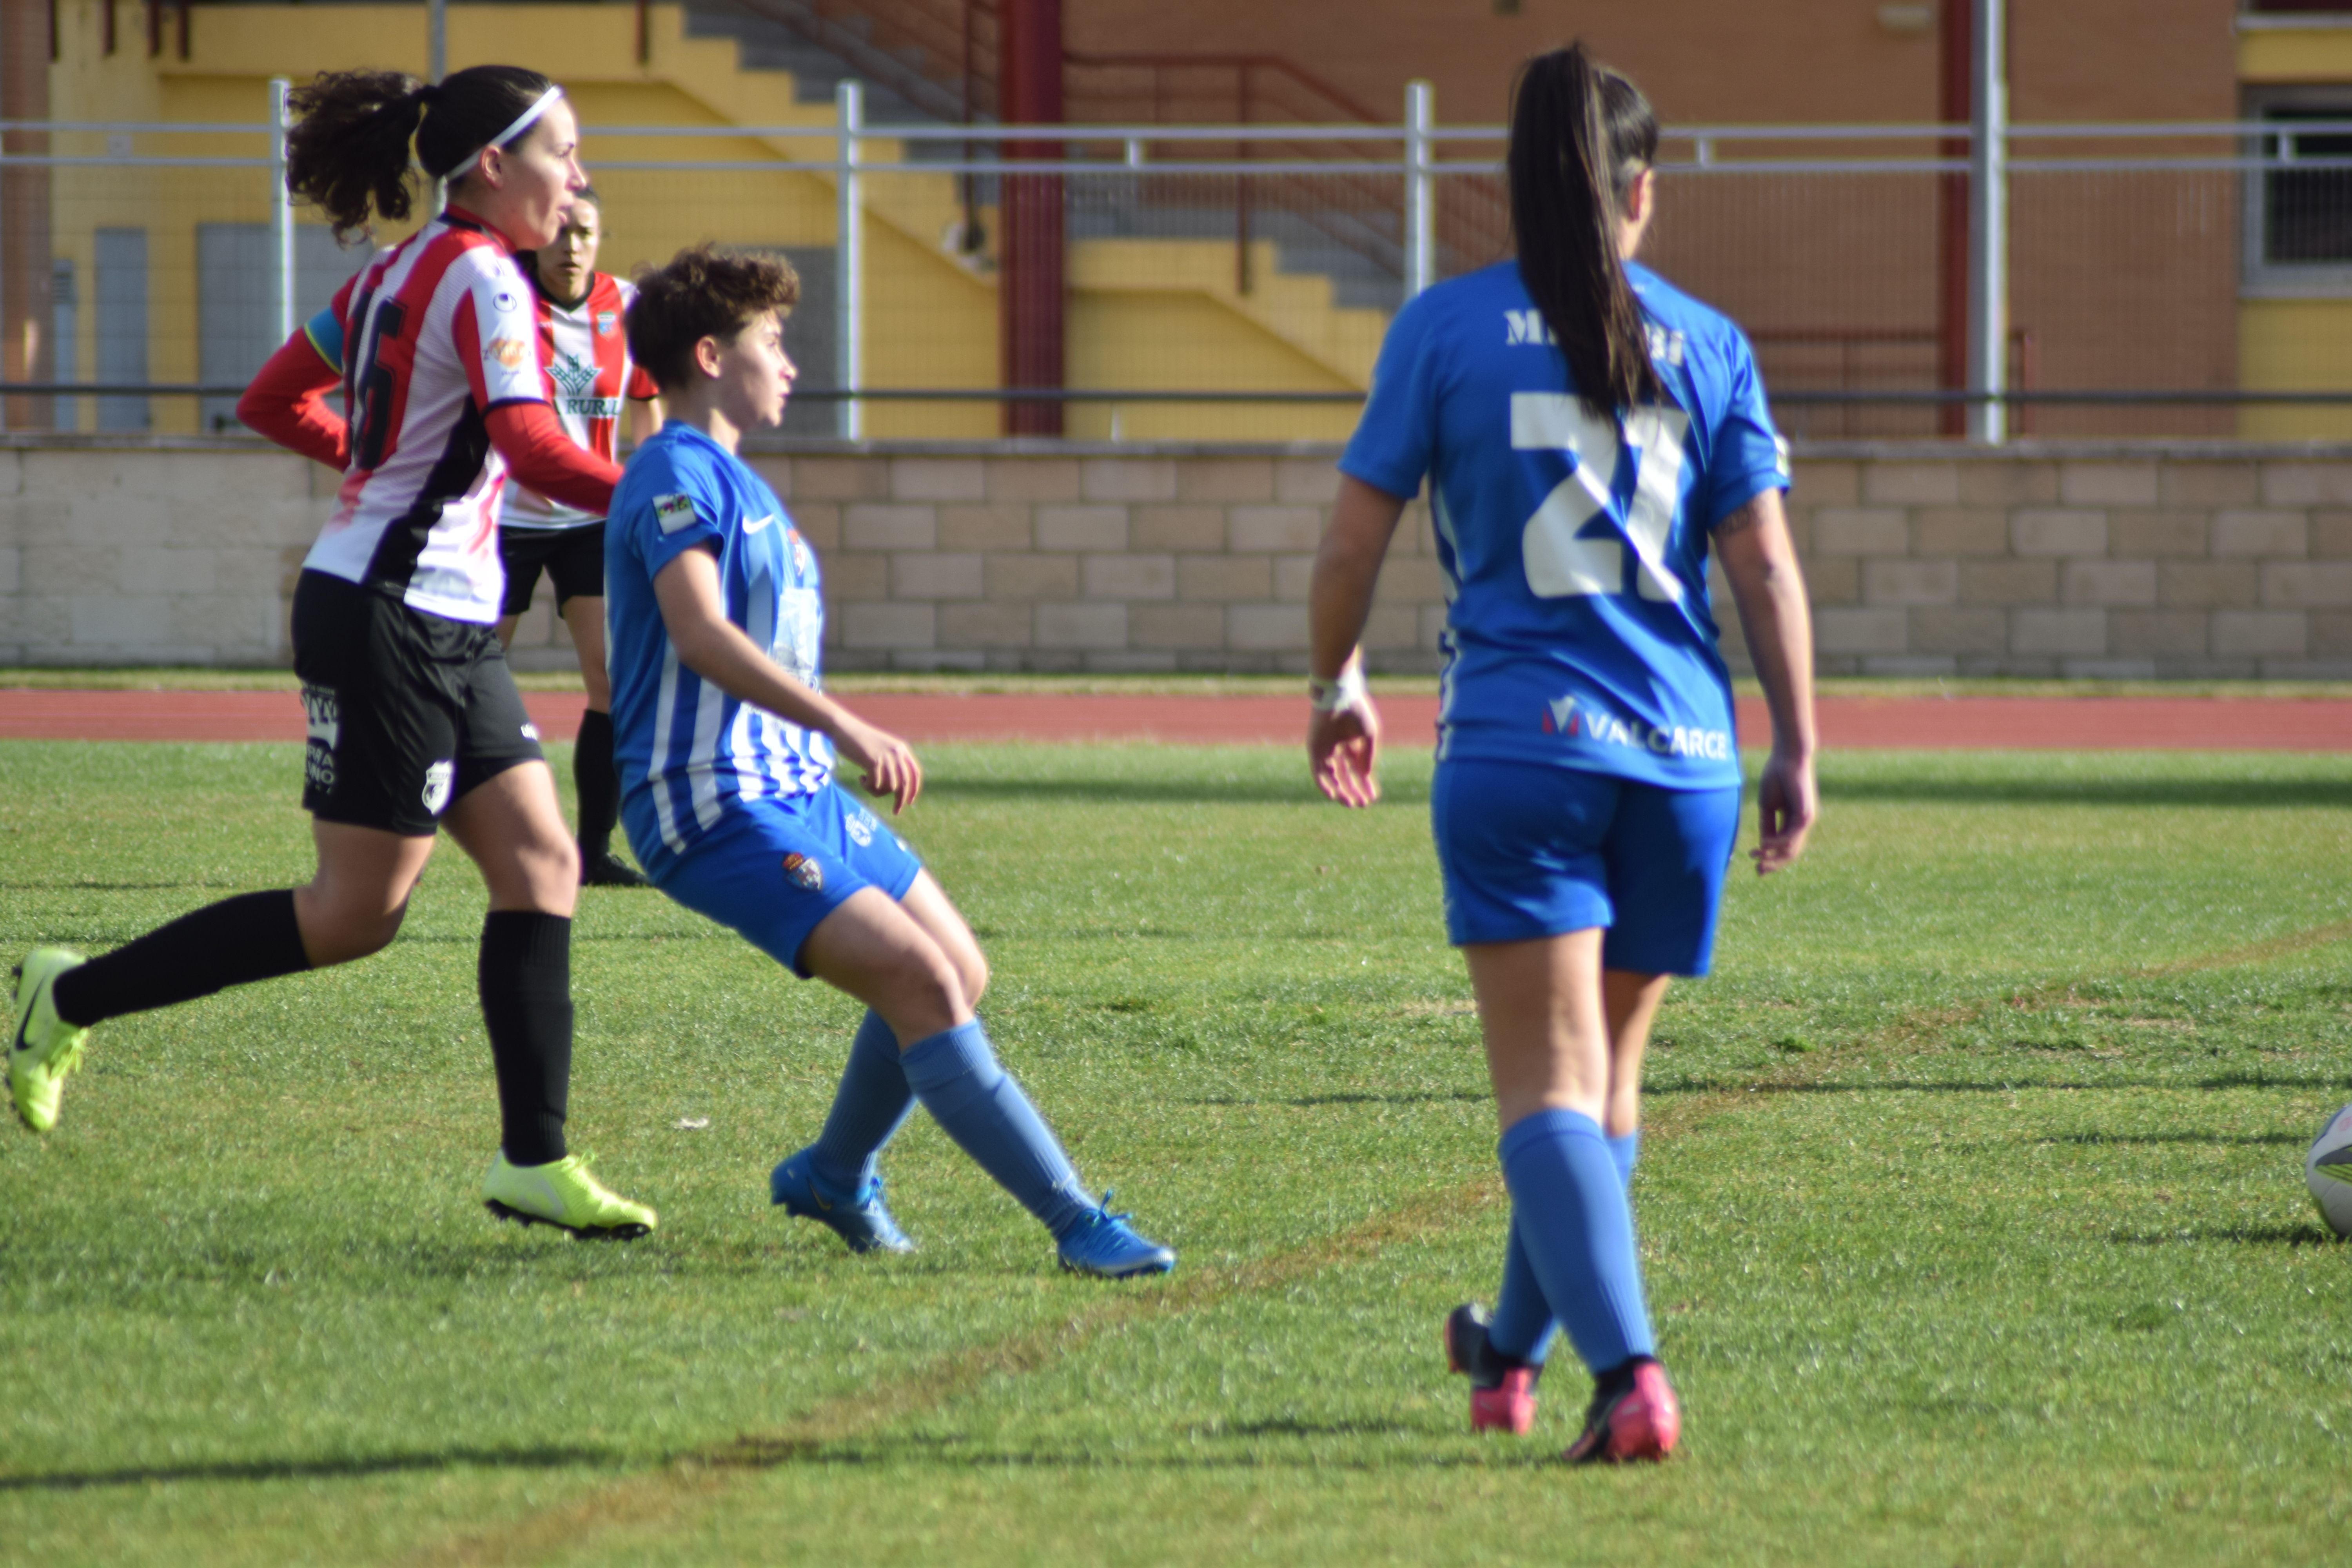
(45, 1047)
(565, 1195)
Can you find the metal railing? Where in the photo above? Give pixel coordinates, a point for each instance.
(2129, 250)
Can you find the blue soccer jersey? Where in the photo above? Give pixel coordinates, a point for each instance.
(1579, 631)
(689, 752)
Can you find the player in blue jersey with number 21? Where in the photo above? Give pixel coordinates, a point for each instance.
(727, 742)
(1589, 434)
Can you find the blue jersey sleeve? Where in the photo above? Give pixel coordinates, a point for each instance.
(325, 331)
(1397, 437)
(1747, 456)
(673, 510)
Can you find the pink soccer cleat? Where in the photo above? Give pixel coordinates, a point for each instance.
(1632, 1418)
(1502, 1391)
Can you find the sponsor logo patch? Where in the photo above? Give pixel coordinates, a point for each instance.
(672, 512)
(802, 871)
(437, 779)
(1677, 742)
(512, 352)
(577, 379)
(1560, 717)
(325, 715)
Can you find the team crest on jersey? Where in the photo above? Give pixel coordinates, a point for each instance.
(804, 872)
(512, 352)
(576, 379)
(605, 321)
(672, 512)
(860, 825)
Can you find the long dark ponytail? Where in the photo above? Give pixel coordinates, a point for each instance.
(348, 150)
(1580, 135)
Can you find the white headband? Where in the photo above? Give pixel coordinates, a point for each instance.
(524, 122)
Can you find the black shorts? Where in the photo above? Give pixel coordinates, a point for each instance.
(408, 711)
(574, 558)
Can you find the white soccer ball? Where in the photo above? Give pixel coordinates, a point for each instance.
(2327, 1172)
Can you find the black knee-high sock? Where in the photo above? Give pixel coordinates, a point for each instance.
(525, 981)
(252, 936)
(599, 783)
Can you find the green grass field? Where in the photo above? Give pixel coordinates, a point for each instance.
(1971, 1200)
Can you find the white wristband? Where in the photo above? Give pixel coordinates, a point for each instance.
(1336, 696)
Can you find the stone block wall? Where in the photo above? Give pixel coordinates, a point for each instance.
(2203, 560)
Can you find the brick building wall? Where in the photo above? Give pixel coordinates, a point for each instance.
(2193, 560)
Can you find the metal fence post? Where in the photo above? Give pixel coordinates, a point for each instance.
(281, 212)
(849, 258)
(1420, 189)
(1988, 421)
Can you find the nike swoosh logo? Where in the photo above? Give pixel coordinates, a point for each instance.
(755, 525)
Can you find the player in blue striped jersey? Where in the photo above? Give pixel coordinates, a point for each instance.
(1589, 435)
(727, 747)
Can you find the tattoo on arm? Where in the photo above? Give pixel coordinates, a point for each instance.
(1739, 522)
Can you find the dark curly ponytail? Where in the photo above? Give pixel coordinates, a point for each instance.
(348, 150)
(1580, 135)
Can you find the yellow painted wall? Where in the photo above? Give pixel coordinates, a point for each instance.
(1142, 313)
(2291, 345)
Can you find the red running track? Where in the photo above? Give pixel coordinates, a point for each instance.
(1959, 723)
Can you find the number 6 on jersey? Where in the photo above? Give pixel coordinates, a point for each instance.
(1560, 563)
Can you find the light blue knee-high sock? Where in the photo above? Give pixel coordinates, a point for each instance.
(1522, 1324)
(956, 1075)
(1570, 1211)
(867, 1108)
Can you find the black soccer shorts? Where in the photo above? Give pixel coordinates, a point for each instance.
(573, 559)
(407, 711)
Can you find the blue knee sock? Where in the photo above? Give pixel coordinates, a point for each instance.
(1522, 1324)
(867, 1108)
(956, 1075)
(1627, 1152)
(1569, 1212)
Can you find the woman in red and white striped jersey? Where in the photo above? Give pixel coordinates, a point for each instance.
(414, 722)
(584, 353)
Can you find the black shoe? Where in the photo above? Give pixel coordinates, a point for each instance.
(602, 869)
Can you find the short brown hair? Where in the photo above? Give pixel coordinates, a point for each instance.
(703, 292)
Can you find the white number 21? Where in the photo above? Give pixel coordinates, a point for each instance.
(1559, 561)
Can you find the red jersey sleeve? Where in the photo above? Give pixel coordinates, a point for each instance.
(288, 404)
(642, 388)
(540, 455)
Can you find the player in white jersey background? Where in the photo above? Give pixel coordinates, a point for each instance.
(1589, 435)
(415, 722)
(584, 355)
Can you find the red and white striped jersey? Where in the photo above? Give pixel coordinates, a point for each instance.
(437, 332)
(585, 350)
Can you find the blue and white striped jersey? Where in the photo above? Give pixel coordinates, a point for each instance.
(689, 752)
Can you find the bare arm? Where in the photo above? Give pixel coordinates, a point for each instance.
(694, 613)
(1343, 745)
(1769, 586)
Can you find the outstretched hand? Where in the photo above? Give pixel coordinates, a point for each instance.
(1787, 802)
(1341, 748)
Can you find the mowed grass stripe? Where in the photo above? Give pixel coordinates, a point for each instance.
(701, 1481)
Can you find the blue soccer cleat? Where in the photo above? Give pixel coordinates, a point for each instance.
(866, 1225)
(1102, 1245)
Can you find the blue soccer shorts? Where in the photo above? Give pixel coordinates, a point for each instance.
(774, 867)
(1530, 851)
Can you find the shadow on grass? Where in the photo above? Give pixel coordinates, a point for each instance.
(314, 1469)
(2094, 1138)
(2237, 1234)
(762, 1454)
(2003, 1086)
(2233, 794)
(1309, 1102)
(1178, 791)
